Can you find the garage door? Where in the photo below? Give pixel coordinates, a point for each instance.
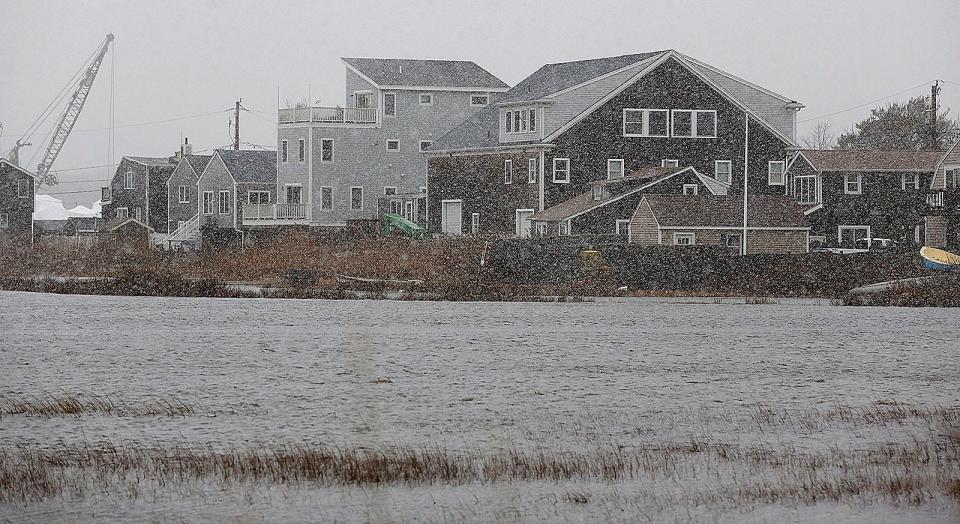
(452, 217)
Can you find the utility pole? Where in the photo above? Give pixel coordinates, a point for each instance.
(934, 135)
(236, 126)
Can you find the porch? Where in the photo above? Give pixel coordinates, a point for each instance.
(275, 214)
(328, 115)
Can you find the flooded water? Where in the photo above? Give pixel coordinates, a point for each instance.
(466, 376)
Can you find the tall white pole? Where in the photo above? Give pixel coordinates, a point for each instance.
(746, 143)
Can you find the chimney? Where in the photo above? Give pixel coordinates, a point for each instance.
(186, 148)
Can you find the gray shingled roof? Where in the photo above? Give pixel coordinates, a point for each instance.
(871, 160)
(198, 162)
(425, 73)
(482, 128)
(726, 211)
(153, 161)
(250, 166)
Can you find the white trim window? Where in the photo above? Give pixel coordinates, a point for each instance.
(356, 198)
(223, 202)
(775, 169)
(853, 236)
(508, 122)
(424, 144)
(474, 223)
(479, 100)
(23, 188)
(691, 189)
(4, 220)
(326, 198)
(389, 190)
(508, 171)
(393, 145)
(258, 197)
(806, 190)
(694, 123)
(361, 99)
(128, 182)
(669, 162)
(646, 123)
(852, 184)
(723, 171)
(532, 171)
(622, 227)
(301, 151)
(532, 119)
(684, 239)
(122, 212)
(561, 170)
(293, 193)
(183, 194)
(390, 104)
(138, 211)
(425, 99)
(326, 150)
(283, 150)
(520, 121)
(597, 192)
(909, 181)
(614, 168)
(207, 208)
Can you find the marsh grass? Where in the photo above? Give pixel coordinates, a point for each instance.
(879, 413)
(69, 404)
(909, 473)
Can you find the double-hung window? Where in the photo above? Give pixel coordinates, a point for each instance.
(389, 104)
(532, 171)
(326, 198)
(520, 121)
(775, 169)
(283, 151)
(326, 150)
(128, 180)
(508, 125)
(694, 123)
(646, 122)
(223, 202)
(474, 223)
(614, 168)
(532, 120)
(302, 151)
(805, 189)
(561, 170)
(258, 197)
(909, 181)
(361, 99)
(23, 188)
(208, 202)
(122, 212)
(852, 184)
(622, 227)
(723, 171)
(183, 194)
(508, 171)
(356, 198)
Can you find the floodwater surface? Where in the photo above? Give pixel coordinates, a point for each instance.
(478, 378)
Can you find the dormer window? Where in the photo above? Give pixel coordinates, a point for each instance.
(520, 121)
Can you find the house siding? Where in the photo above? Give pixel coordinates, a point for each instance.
(776, 241)
(643, 226)
(951, 160)
(183, 175)
(19, 210)
(217, 178)
(146, 179)
(477, 180)
(598, 137)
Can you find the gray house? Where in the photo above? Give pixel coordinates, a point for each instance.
(17, 186)
(236, 184)
(337, 161)
(182, 197)
(139, 190)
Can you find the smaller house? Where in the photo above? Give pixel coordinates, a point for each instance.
(182, 197)
(17, 188)
(138, 190)
(606, 209)
(775, 224)
(239, 184)
(129, 230)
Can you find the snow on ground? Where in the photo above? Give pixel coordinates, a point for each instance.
(47, 207)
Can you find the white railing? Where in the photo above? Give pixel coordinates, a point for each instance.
(329, 115)
(274, 211)
(935, 199)
(185, 231)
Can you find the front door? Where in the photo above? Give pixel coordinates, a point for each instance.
(523, 222)
(408, 210)
(452, 217)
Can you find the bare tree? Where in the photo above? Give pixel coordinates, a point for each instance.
(820, 137)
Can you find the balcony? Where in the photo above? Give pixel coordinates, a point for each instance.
(328, 115)
(274, 214)
(943, 201)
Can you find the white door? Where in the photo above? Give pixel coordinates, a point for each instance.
(523, 222)
(452, 217)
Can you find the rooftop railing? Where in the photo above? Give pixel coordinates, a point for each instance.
(328, 115)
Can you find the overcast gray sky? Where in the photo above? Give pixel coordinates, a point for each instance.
(177, 59)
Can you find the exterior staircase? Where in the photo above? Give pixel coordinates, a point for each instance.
(188, 232)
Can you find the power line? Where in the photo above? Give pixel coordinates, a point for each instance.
(146, 123)
(865, 103)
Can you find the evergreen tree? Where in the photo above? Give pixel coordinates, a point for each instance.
(901, 126)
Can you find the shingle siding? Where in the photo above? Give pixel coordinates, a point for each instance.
(17, 209)
(216, 178)
(643, 226)
(178, 212)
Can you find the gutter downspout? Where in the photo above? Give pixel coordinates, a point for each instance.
(746, 144)
(542, 169)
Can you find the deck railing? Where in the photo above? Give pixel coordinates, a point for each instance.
(274, 211)
(329, 115)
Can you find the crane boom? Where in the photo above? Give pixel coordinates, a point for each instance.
(69, 117)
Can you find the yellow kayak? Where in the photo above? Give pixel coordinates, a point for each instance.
(935, 258)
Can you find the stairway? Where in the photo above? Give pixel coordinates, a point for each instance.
(189, 231)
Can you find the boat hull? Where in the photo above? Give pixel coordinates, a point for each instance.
(939, 259)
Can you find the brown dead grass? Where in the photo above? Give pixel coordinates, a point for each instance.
(68, 404)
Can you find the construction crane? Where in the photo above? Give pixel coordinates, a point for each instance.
(69, 117)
